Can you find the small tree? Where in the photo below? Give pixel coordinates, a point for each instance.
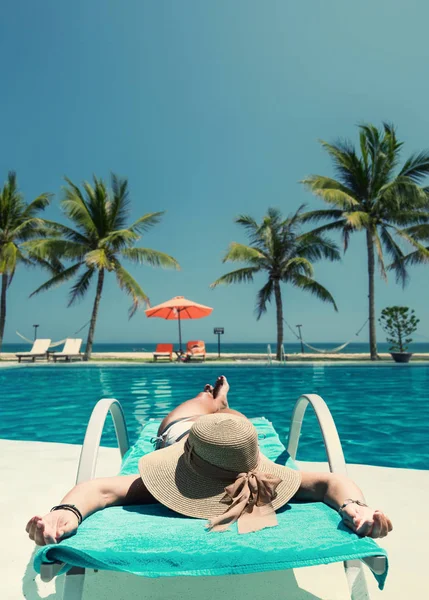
(398, 322)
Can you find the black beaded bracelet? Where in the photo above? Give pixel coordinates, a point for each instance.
(72, 508)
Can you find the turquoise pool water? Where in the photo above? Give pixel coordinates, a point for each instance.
(382, 412)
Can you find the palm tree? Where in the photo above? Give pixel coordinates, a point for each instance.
(99, 239)
(416, 257)
(371, 194)
(278, 248)
(18, 222)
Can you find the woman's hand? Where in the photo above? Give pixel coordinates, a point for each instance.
(365, 521)
(53, 527)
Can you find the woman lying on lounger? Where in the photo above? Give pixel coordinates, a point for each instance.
(208, 465)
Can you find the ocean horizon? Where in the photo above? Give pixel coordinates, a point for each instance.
(230, 347)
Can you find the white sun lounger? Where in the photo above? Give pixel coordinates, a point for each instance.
(71, 350)
(39, 350)
(74, 578)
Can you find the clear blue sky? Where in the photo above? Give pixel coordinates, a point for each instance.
(211, 109)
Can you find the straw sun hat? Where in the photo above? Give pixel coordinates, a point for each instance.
(218, 473)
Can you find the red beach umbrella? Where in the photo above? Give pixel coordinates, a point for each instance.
(179, 308)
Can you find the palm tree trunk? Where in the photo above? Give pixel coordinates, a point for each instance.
(279, 307)
(371, 295)
(4, 283)
(91, 331)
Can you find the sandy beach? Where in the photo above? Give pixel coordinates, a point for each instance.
(48, 470)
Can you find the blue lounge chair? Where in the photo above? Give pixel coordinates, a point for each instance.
(185, 547)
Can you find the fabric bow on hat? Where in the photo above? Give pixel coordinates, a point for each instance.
(251, 495)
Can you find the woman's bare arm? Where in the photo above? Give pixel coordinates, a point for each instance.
(334, 490)
(88, 497)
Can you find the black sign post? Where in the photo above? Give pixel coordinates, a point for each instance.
(219, 331)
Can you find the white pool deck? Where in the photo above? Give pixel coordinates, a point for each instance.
(35, 475)
(10, 358)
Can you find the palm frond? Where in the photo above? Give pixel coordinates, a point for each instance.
(297, 264)
(264, 296)
(316, 289)
(404, 235)
(335, 195)
(364, 149)
(146, 222)
(273, 217)
(383, 149)
(119, 206)
(349, 168)
(37, 205)
(314, 216)
(416, 258)
(320, 182)
(117, 240)
(334, 226)
(346, 233)
(98, 202)
(58, 279)
(26, 261)
(58, 229)
(11, 184)
(317, 246)
(358, 220)
(99, 259)
(8, 256)
(399, 195)
(268, 232)
(129, 285)
(52, 248)
(244, 275)
(76, 208)
(410, 218)
(294, 221)
(249, 224)
(81, 286)
(419, 232)
(153, 258)
(30, 228)
(242, 253)
(416, 167)
(53, 265)
(396, 255)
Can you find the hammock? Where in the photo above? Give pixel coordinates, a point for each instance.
(53, 344)
(331, 350)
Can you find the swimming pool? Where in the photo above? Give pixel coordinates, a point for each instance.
(381, 411)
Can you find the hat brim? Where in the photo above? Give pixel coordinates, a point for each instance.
(168, 477)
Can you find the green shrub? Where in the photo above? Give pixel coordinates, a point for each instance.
(398, 322)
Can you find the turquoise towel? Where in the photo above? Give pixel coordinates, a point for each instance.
(153, 541)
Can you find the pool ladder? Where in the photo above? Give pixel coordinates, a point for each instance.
(282, 355)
